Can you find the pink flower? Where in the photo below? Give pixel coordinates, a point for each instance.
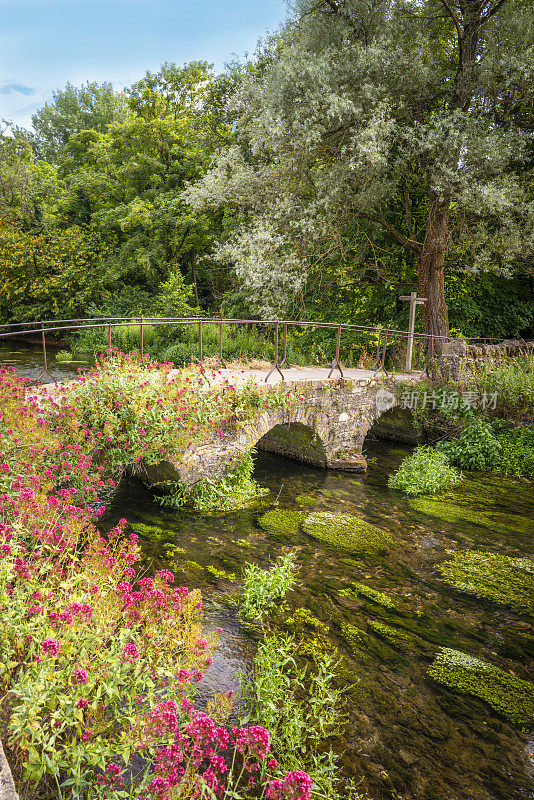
(130, 653)
(51, 646)
(80, 675)
(82, 703)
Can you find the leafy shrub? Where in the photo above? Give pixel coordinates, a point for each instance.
(517, 452)
(263, 587)
(425, 471)
(236, 489)
(510, 379)
(476, 447)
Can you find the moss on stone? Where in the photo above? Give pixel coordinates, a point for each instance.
(493, 577)
(507, 694)
(305, 500)
(281, 521)
(450, 512)
(391, 634)
(348, 532)
(371, 594)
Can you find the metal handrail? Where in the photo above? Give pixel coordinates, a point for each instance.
(44, 327)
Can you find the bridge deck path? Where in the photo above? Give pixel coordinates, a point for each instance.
(298, 374)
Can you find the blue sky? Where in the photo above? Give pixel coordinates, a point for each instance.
(45, 43)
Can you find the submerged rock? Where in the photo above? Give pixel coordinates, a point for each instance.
(348, 532)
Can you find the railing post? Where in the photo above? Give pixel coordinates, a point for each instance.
(142, 340)
(44, 347)
(109, 335)
(335, 363)
(200, 341)
(283, 361)
(275, 365)
(45, 358)
(381, 367)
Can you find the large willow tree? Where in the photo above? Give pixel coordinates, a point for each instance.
(385, 115)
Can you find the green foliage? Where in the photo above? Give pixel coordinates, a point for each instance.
(90, 107)
(476, 448)
(301, 709)
(493, 577)
(425, 471)
(507, 694)
(517, 452)
(371, 594)
(263, 587)
(235, 489)
(281, 521)
(511, 379)
(347, 532)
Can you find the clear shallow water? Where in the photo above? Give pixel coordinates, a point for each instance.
(406, 736)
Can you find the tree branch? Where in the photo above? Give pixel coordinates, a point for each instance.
(410, 244)
(491, 11)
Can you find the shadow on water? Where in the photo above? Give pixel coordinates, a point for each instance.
(406, 735)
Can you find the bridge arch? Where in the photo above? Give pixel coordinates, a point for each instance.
(297, 441)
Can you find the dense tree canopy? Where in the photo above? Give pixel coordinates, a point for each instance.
(370, 147)
(382, 123)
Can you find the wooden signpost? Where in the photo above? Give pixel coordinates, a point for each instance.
(414, 301)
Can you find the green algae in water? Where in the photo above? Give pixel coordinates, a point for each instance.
(281, 521)
(371, 594)
(348, 532)
(354, 637)
(391, 634)
(220, 574)
(305, 500)
(492, 577)
(303, 618)
(507, 694)
(449, 512)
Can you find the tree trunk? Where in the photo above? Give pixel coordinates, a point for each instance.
(432, 268)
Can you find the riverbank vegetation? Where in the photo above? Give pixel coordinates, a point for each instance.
(100, 659)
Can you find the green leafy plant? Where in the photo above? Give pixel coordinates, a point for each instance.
(475, 448)
(302, 709)
(263, 587)
(425, 471)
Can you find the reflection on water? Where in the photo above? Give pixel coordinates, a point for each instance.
(28, 361)
(406, 736)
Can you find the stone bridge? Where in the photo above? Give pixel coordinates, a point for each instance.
(326, 428)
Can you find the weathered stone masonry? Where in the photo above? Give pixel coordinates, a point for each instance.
(326, 428)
